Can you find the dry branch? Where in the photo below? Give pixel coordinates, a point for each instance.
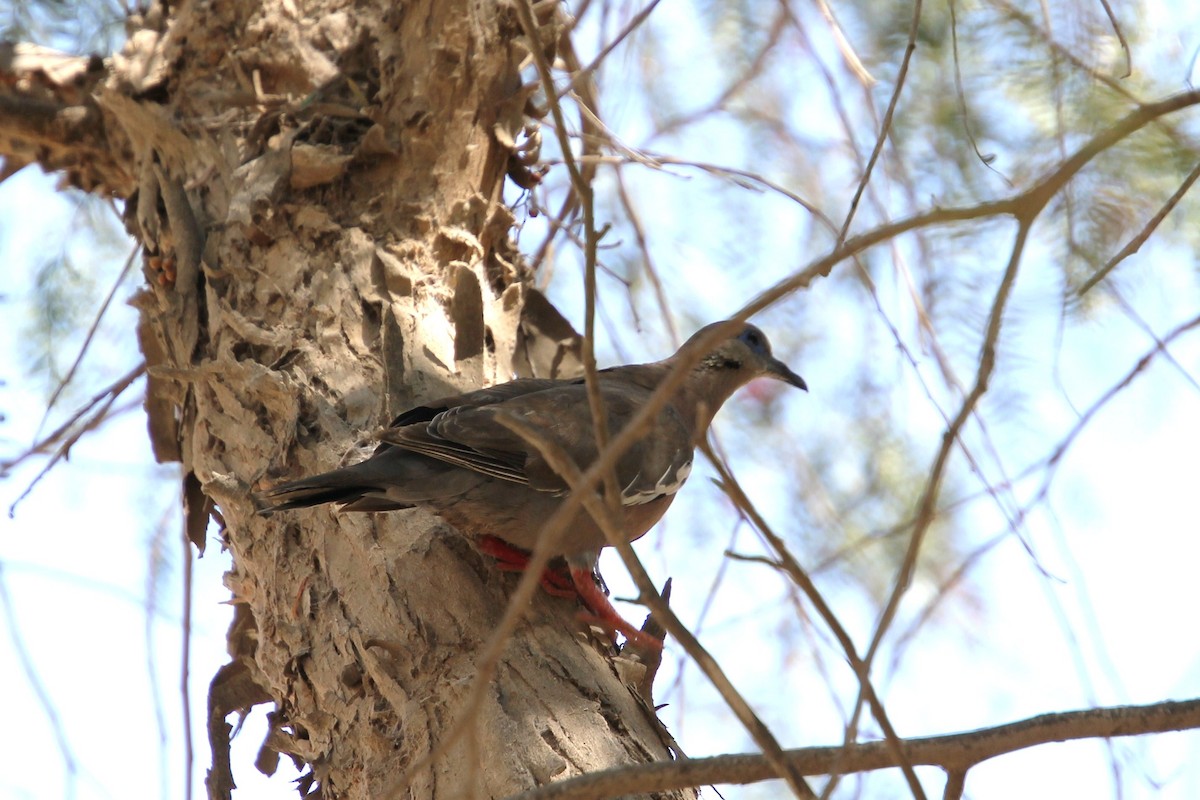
(955, 753)
(48, 117)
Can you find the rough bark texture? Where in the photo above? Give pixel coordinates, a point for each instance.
(318, 188)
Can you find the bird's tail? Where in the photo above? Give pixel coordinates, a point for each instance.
(392, 479)
(344, 486)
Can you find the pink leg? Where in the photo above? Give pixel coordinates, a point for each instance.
(601, 612)
(512, 559)
(580, 583)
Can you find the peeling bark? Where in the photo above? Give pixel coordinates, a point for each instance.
(319, 198)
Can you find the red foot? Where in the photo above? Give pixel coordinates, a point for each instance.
(576, 582)
(555, 583)
(601, 612)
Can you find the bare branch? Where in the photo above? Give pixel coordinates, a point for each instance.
(48, 117)
(955, 753)
(886, 126)
(67, 434)
(757, 64)
(986, 160)
(798, 576)
(1055, 457)
(1026, 205)
(87, 339)
(585, 74)
(1143, 235)
(853, 62)
(927, 505)
(1116, 26)
(581, 183)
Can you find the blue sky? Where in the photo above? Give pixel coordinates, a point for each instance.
(1110, 623)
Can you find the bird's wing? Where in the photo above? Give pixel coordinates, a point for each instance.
(474, 399)
(471, 436)
(416, 430)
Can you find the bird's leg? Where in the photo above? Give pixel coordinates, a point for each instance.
(512, 559)
(600, 611)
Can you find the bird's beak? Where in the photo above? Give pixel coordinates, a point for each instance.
(778, 369)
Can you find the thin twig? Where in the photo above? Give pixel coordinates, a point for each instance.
(32, 677)
(1025, 204)
(604, 516)
(87, 340)
(755, 68)
(551, 535)
(583, 190)
(189, 756)
(927, 505)
(962, 98)
(853, 62)
(800, 577)
(1135, 244)
(585, 74)
(886, 126)
(1055, 457)
(639, 232)
(1116, 26)
(65, 437)
(1145, 327)
(1075, 61)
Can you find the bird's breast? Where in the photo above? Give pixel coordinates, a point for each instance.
(639, 492)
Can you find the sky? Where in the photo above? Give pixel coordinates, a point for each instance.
(1104, 615)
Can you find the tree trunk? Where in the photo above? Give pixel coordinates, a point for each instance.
(319, 194)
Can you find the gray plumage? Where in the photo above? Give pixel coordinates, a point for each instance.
(453, 456)
(456, 458)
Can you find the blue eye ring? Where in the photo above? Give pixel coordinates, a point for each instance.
(754, 339)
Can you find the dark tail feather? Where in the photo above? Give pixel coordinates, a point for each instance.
(344, 486)
(305, 493)
(391, 479)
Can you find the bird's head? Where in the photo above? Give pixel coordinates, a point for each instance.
(741, 358)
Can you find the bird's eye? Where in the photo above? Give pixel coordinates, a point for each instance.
(753, 339)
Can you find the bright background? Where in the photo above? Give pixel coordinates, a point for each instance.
(1101, 613)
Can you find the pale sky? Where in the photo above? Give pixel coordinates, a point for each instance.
(1113, 624)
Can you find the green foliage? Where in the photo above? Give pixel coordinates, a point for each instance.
(72, 272)
(62, 294)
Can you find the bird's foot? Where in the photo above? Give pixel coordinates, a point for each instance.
(555, 582)
(600, 612)
(573, 582)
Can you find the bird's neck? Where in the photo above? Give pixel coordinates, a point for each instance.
(700, 398)
(696, 401)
